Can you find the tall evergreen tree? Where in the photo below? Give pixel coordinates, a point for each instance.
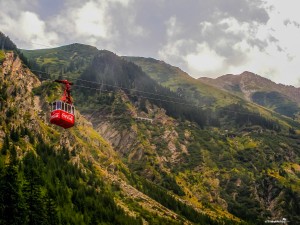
(11, 204)
(32, 191)
(51, 217)
(5, 145)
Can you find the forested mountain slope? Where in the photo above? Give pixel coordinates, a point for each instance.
(218, 154)
(49, 175)
(55, 176)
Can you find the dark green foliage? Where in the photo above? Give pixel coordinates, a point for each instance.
(51, 213)
(292, 130)
(5, 145)
(94, 206)
(46, 189)
(243, 206)
(46, 89)
(243, 117)
(12, 209)
(281, 104)
(13, 155)
(10, 112)
(169, 182)
(160, 195)
(6, 43)
(14, 134)
(292, 205)
(2, 56)
(32, 190)
(3, 94)
(105, 98)
(61, 61)
(142, 105)
(270, 188)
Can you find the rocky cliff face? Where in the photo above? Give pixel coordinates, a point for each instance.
(17, 102)
(142, 133)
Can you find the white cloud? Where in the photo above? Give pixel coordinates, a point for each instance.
(204, 61)
(173, 28)
(173, 52)
(28, 29)
(205, 27)
(233, 26)
(271, 64)
(279, 60)
(122, 2)
(90, 20)
(201, 60)
(133, 28)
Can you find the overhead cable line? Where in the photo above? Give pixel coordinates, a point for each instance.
(157, 99)
(114, 86)
(142, 96)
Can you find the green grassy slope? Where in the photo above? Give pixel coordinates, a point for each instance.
(68, 60)
(175, 79)
(277, 102)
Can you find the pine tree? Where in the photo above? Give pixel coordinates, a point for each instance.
(11, 204)
(14, 135)
(32, 191)
(5, 145)
(13, 156)
(51, 212)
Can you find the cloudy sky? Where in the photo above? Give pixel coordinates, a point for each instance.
(202, 37)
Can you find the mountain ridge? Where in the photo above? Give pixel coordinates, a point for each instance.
(260, 82)
(278, 97)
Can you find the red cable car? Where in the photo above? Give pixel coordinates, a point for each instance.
(63, 111)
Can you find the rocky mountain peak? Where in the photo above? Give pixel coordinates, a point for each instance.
(252, 87)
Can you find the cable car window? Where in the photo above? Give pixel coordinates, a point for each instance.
(58, 105)
(69, 108)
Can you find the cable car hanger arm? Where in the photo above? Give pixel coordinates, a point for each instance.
(67, 91)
